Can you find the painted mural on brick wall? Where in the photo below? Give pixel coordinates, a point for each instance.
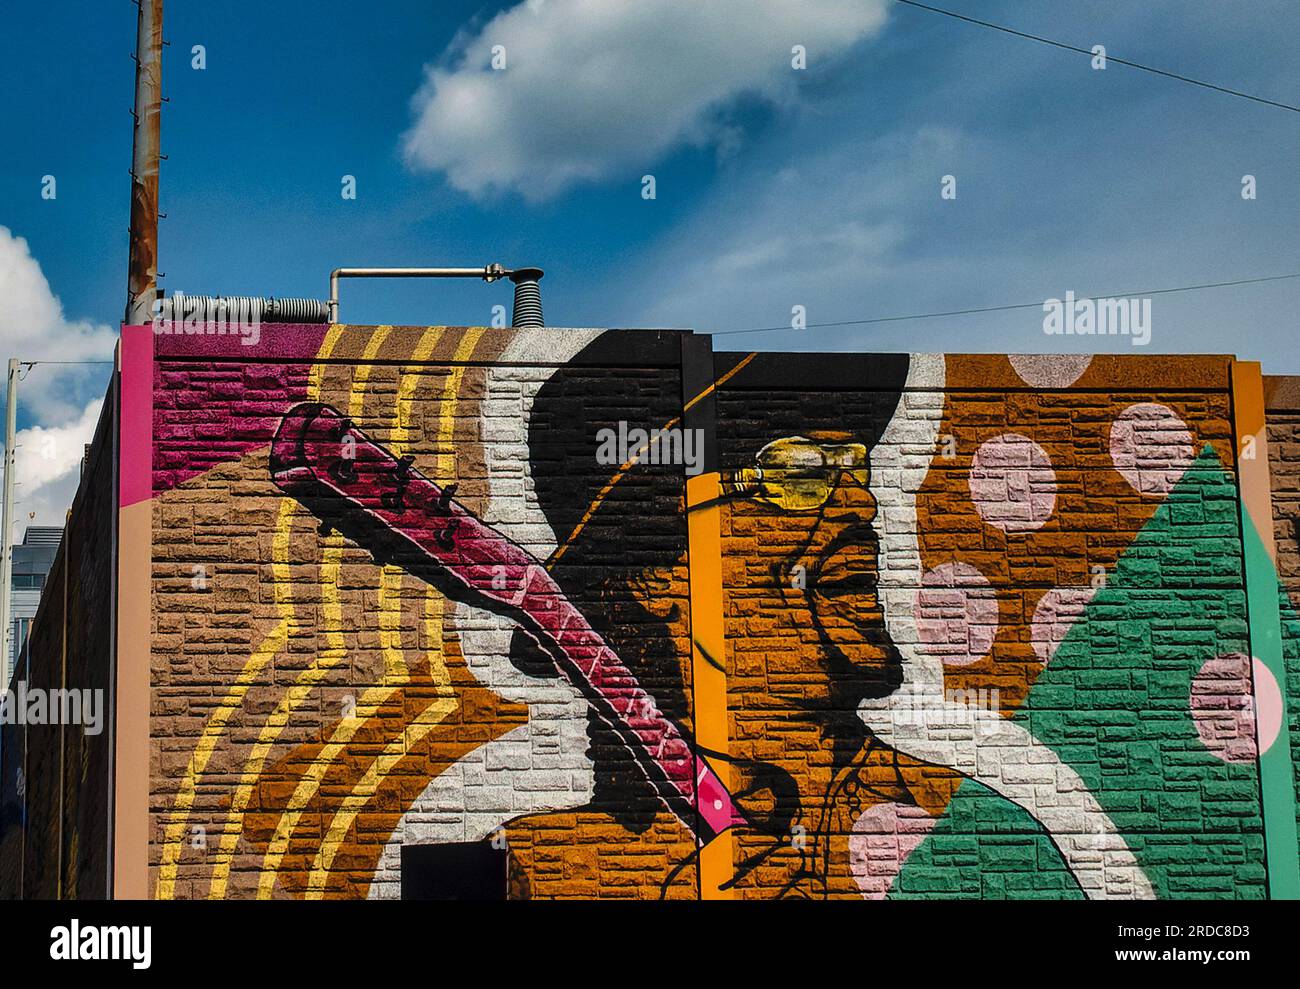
(1282, 395)
(435, 616)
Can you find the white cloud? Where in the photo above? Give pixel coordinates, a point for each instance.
(32, 324)
(48, 468)
(33, 327)
(593, 88)
(47, 453)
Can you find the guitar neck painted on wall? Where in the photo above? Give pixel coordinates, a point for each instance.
(356, 486)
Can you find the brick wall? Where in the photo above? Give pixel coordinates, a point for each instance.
(1001, 652)
(916, 625)
(57, 778)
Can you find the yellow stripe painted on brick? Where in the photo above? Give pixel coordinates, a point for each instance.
(393, 753)
(709, 684)
(450, 402)
(406, 388)
(361, 374)
(316, 376)
(391, 577)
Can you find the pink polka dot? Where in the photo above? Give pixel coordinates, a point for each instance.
(956, 614)
(1151, 447)
(1268, 704)
(1050, 370)
(882, 839)
(1225, 712)
(1012, 483)
(1055, 615)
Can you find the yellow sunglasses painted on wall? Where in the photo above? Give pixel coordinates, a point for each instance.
(798, 474)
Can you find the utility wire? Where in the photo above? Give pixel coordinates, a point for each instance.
(1018, 305)
(1109, 57)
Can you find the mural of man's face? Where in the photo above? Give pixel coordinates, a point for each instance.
(802, 578)
(812, 498)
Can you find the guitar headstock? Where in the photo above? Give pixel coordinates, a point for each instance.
(319, 452)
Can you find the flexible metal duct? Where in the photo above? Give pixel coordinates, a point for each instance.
(179, 307)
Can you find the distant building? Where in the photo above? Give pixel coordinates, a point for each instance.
(32, 560)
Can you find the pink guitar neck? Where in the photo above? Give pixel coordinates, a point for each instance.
(319, 457)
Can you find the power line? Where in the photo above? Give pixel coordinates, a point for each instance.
(1018, 305)
(1109, 58)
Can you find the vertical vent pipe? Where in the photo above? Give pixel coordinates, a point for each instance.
(528, 297)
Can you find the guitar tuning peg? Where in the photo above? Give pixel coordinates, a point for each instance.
(404, 463)
(325, 529)
(444, 500)
(344, 471)
(446, 536)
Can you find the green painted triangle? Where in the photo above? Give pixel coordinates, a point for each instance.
(1113, 703)
(985, 847)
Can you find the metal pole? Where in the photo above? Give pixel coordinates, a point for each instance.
(489, 273)
(6, 554)
(142, 275)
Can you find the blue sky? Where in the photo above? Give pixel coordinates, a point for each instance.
(774, 187)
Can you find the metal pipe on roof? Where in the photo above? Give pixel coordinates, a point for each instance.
(532, 307)
(234, 309)
(528, 297)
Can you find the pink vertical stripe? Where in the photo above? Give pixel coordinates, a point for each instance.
(135, 472)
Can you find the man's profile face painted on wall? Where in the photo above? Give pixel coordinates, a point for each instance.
(828, 578)
(842, 558)
(810, 579)
(812, 492)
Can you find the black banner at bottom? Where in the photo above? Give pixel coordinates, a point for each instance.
(289, 939)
